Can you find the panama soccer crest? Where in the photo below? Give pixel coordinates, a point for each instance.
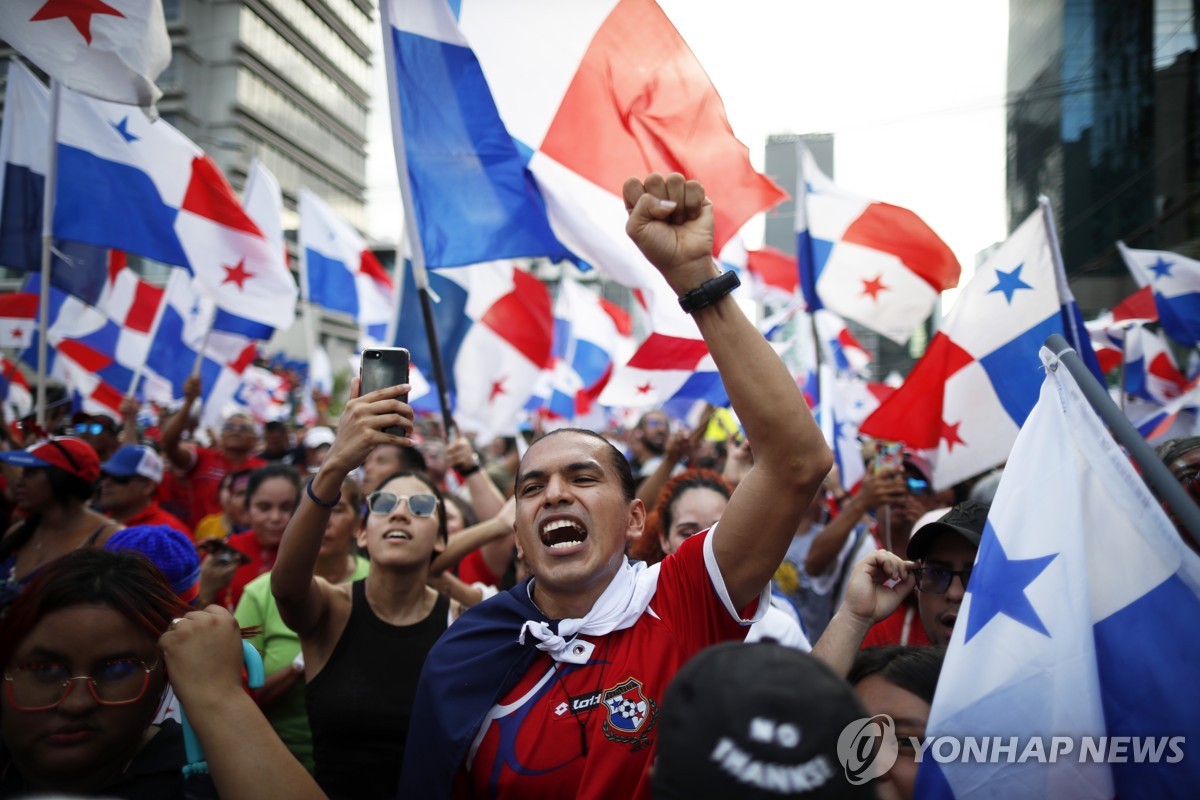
(631, 715)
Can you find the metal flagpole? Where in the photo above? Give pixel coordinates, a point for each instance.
(1150, 466)
(420, 276)
(48, 198)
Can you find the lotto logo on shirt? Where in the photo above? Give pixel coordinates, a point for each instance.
(628, 712)
(578, 704)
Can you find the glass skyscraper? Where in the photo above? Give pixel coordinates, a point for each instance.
(1103, 119)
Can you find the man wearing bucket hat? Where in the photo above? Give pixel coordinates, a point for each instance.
(129, 487)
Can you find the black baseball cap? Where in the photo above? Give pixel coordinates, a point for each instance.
(965, 519)
(740, 718)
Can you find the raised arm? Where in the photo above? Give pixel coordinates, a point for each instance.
(869, 599)
(203, 653)
(129, 423)
(497, 528)
(652, 485)
(877, 488)
(172, 435)
(671, 221)
(303, 600)
(486, 499)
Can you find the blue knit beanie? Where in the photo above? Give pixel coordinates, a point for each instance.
(171, 551)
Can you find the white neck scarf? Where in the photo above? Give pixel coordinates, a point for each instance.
(622, 603)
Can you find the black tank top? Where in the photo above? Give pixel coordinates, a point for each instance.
(359, 705)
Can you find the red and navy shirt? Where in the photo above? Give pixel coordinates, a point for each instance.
(589, 730)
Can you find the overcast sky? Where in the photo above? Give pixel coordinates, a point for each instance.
(913, 91)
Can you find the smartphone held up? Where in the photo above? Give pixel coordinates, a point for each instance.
(382, 367)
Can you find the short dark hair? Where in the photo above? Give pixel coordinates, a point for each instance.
(263, 474)
(913, 669)
(616, 459)
(424, 478)
(275, 425)
(229, 477)
(125, 581)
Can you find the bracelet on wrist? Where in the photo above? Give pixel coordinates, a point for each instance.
(709, 292)
(467, 471)
(319, 501)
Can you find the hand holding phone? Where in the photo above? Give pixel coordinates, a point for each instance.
(382, 367)
(222, 553)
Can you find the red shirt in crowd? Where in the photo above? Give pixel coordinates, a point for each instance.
(154, 514)
(261, 561)
(532, 744)
(204, 481)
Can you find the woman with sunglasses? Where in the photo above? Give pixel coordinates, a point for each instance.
(53, 491)
(364, 643)
(86, 652)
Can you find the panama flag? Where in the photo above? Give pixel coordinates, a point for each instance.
(1107, 331)
(184, 328)
(1176, 418)
(965, 400)
(871, 262)
(91, 354)
(110, 49)
(590, 336)
(14, 391)
(673, 372)
(618, 94)
(76, 268)
(841, 348)
(840, 430)
(473, 197)
(1175, 281)
(495, 326)
(773, 276)
(1150, 370)
(143, 187)
(342, 274)
(18, 318)
(1076, 555)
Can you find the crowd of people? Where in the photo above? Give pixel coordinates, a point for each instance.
(575, 614)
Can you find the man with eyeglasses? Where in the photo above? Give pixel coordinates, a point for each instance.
(203, 467)
(945, 551)
(99, 431)
(941, 555)
(128, 486)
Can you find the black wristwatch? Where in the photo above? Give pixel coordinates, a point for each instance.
(709, 292)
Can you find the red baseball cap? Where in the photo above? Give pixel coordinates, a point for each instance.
(67, 453)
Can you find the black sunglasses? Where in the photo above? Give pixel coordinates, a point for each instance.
(936, 580)
(120, 480)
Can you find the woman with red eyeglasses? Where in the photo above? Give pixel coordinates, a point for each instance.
(53, 491)
(364, 643)
(86, 653)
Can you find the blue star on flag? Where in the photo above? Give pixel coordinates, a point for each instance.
(839, 429)
(998, 586)
(1009, 283)
(1162, 268)
(122, 128)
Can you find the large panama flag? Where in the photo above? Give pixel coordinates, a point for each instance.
(1076, 556)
